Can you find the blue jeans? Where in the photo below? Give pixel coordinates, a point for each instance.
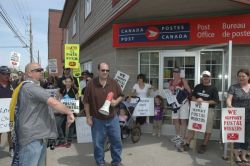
(100, 130)
(33, 154)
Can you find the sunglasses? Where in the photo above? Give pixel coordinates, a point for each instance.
(37, 70)
(103, 70)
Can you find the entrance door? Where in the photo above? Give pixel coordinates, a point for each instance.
(188, 63)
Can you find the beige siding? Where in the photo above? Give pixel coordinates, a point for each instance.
(102, 11)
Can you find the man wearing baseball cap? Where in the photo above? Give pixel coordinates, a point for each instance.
(205, 93)
(6, 89)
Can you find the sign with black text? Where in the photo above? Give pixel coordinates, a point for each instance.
(145, 107)
(122, 79)
(4, 115)
(72, 104)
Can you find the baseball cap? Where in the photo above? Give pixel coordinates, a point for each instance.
(4, 70)
(86, 72)
(206, 73)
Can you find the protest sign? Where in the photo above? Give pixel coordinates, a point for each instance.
(15, 59)
(233, 125)
(52, 63)
(122, 79)
(71, 54)
(72, 104)
(145, 107)
(170, 97)
(198, 117)
(83, 130)
(4, 115)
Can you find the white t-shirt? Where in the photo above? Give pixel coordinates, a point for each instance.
(141, 92)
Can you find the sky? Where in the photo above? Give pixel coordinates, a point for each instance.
(19, 12)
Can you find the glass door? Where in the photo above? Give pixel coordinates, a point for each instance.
(187, 66)
(187, 62)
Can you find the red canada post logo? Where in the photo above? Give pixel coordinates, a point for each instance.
(152, 33)
(197, 126)
(232, 136)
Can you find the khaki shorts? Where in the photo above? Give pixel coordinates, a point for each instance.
(182, 113)
(210, 120)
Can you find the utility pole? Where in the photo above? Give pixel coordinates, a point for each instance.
(38, 57)
(31, 40)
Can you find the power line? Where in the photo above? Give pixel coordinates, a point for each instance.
(12, 26)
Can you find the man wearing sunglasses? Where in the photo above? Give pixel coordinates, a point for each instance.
(34, 121)
(103, 126)
(205, 92)
(6, 89)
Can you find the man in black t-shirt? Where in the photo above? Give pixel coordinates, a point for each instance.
(6, 89)
(205, 93)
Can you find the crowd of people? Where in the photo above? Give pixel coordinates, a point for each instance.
(30, 100)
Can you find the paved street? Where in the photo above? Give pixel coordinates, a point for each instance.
(150, 151)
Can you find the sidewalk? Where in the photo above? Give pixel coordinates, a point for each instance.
(150, 151)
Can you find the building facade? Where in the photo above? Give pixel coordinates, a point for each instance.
(153, 37)
(55, 43)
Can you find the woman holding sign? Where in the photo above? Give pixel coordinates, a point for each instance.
(67, 92)
(141, 89)
(239, 96)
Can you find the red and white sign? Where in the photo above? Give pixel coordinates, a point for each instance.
(197, 31)
(14, 59)
(233, 125)
(198, 117)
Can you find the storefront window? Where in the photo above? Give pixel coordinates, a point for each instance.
(149, 65)
(213, 62)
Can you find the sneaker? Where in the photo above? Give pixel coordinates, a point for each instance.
(179, 143)
(11, 152)
(202, 149)
(159, 134)
(186, 147)
(154, 134)
(175, 138)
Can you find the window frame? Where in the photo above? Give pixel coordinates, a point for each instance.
(87, 8)
(74, 25)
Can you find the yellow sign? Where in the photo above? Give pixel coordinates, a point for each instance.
(77, 71)
(77, 74)
(71, 55)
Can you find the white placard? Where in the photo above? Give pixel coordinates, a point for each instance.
(233, 125)
(170, 97)
(83, 130)
(4, 115)
(72, 104)
(198, 117)
(14, 59)
(145, 107)
(52, 63)
(122, 79)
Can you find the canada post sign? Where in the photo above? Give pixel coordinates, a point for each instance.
(165, 32)
(198, 31)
